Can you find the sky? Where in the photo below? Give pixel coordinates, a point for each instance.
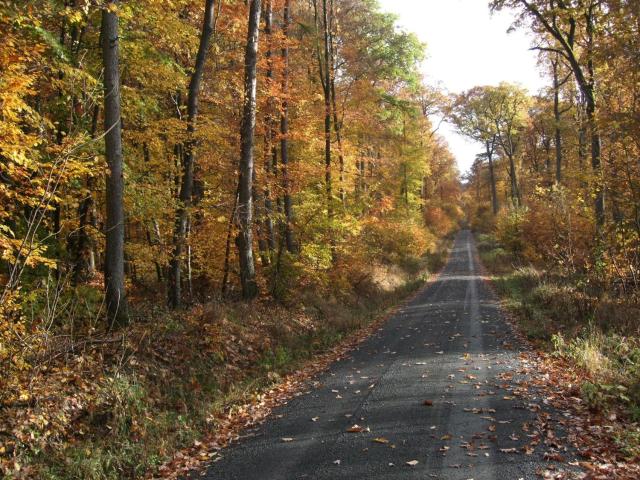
(467, 45)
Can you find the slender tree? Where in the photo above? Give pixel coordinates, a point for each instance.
(289, 237)
(337, 125)
(116, 299)
(244, 239)
(271, 151)
(188, 158)
(324, 58)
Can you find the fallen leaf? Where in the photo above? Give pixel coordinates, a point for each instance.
(381, 440)
(356, 429)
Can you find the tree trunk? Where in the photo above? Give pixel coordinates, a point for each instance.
(271, 152)
(85, 263)
(337, 127)
(515, 191)
(590, 94)
(556, 116)
(325, 79)
(492, 180)
(227, 249)
(188, 160)
(284, 135)
(244, 239)
(116, 300)
(327, 111)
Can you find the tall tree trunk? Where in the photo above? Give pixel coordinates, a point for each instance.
(289, 237)
(188, 159)
(513, 177)
(271, 151)
(227, 250)
(593, 125)
(325, 78)
(326, 86)
(337, 127)
(244, 239)
(85, 263)
(492, 180)
(557, 119)
(116, 300)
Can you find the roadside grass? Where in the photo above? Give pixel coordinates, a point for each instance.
(599, 334)
(122, 405)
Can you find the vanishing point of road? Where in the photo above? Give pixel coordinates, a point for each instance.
(430, 395)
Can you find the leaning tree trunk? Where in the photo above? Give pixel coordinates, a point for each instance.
(116, 300)
(244, 239)
(186, 187)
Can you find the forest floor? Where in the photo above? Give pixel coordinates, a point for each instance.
(445, 389)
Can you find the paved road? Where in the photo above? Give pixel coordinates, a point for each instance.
(449, 347)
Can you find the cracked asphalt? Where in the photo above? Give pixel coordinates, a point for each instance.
(435, 386)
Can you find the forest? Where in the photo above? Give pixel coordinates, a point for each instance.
(204, 203)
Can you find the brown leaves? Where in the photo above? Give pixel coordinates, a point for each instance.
(357, 429)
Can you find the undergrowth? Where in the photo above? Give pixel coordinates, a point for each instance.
(117, 405)
(594, 330)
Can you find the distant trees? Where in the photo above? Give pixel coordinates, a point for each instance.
(571, 27)
(472, 116)
(494, 117)
(545, 142)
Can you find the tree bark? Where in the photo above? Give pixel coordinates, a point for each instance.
(289, 237)
(271, 152)
(325, 79)
(492, 179)
(85, 263)
(116, 300)
(557, 119)
(188, 160)
(337, 127)
(244, 239)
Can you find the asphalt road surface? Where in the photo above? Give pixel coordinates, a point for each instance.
(431, 388)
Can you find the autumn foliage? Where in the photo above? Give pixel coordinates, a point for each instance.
(329, 208)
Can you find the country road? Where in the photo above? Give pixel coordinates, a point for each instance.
(430, 393)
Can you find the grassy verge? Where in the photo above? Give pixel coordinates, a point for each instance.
(116, 406)
(595, 332)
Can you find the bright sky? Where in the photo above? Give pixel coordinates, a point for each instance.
(467, 46)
